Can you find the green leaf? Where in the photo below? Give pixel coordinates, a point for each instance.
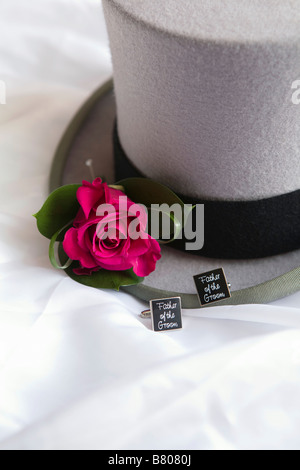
(118, 187)
(101, 279)
(146, 191)
(175, 228)
(104, 279)
(52, 256)
(60, 207)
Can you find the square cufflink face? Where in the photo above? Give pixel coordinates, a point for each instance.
(212, 286)
(166, 314)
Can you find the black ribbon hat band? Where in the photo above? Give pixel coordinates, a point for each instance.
(236, 229)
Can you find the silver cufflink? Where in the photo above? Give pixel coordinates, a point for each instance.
(165, 314)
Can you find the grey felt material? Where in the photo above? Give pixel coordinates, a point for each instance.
(203, 91)
(218, 20)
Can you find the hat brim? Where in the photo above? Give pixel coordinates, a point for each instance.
(89, 136)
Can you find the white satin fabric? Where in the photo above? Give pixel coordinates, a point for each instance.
(79, 369)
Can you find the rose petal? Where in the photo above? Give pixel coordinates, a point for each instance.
(139, 212)
(117, 251)
(84, 235)
(112, 196)
(116, 264)
(90, 195)
(102, 251)
(146, 264)
(85, 271)
(79, 219)
(75, 252)
(139, 247)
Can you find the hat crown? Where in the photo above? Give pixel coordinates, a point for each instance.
(231, 20)
(204, 94)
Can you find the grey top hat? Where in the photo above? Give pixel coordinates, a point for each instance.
(204, 104)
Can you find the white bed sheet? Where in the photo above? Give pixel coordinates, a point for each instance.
(79, 369)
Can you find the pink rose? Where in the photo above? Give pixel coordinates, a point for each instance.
(104, 241)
